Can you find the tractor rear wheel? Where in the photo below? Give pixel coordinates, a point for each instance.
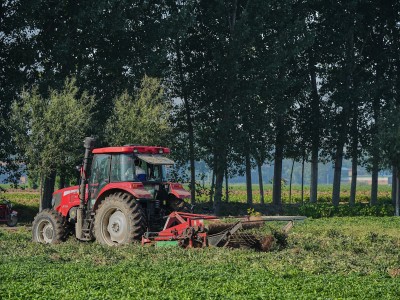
(119, 220)
(47, 227)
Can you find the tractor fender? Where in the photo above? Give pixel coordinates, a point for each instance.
(136, 189)
(178, 191)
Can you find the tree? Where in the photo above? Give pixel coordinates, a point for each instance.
(180, 30)
(344, 22)
(142, 119)
(49, 131)
(16, 64)
(278, 52)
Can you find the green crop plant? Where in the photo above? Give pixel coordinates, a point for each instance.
(347, 257)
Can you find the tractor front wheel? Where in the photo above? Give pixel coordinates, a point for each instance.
(119, 220)
(47, 227)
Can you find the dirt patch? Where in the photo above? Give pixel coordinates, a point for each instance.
(394, 272)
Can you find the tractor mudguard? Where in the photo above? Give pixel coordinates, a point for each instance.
(135, 188)
(178, 191)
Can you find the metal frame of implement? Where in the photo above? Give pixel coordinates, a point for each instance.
(189, 230)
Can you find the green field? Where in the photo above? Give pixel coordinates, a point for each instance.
(326, 258)
(351, 258)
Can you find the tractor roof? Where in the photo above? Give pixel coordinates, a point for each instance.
(133, 149)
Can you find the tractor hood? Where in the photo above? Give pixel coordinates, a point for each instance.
(155, 159)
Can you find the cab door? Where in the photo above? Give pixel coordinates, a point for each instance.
(100, 175)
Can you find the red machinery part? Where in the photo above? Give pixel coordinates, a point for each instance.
(186, 228)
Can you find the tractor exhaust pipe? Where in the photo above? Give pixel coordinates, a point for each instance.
(88, 144)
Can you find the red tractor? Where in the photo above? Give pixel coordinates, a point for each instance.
(7, 214)
(123, 193)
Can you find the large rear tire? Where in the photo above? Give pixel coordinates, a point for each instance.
(119, 220)
(47, 227)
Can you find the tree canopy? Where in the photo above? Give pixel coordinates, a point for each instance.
(238, 82)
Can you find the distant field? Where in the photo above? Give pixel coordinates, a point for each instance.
(335, 258)
(27, 201)
(238, 193)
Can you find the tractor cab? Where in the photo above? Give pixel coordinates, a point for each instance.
(140, 164)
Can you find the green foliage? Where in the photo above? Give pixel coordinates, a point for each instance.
(325, 210)
(143, 119)
(252, 212)
(49, 130)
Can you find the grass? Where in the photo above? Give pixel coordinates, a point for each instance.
(336, 258)
(237, 193)
(327, 258)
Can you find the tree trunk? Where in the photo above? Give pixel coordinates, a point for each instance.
(314, 177)
(374, 184)
(48, 190)
(226, 186)
(337, 176)
(354, 154)
(277, 182)
(353, 188)
(394, 185)
(260, 183)
(248, 180)
(375, 148)
(62, 182)
(315, 130)
(344, 116)
(397, 207)
(224, 126)
(219, 179)
(189, 123)
(302, 180)
(212, 186)
(41, 192)
(290, 182)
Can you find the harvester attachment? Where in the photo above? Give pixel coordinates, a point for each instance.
(197, 231)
